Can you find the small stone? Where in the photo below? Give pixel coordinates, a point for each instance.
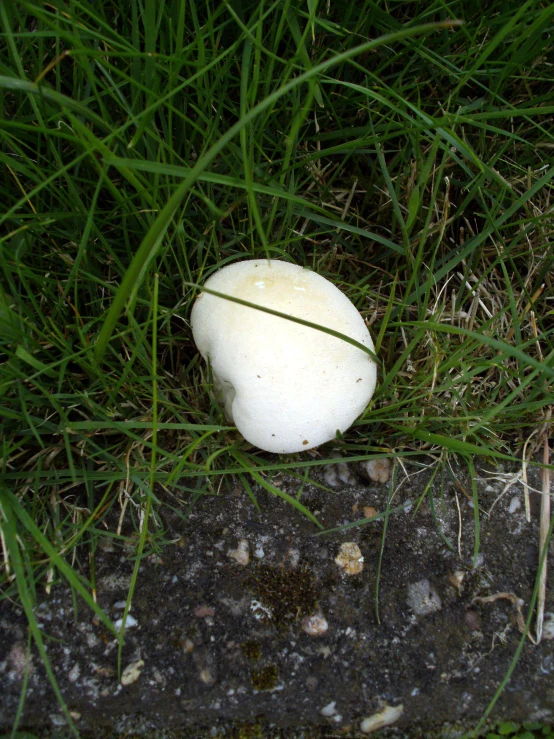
(471, 619)
(188, 646)
(515, 504)
(242, 553)
(132, 672)
(130, 621)
(350, 558)
(203, 611)
(548, 626)
(207, 676)
(329, 710)
(73, 674)
(206, 666)
(377, 470)
(315, 625)
(335, 474)
(369, 511)
(423, 599)
(456, 579)
(386, 716)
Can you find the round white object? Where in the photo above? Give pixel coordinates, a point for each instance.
(287, 387)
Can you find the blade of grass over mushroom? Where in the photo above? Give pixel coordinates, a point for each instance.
(294, 319)
(152, 240)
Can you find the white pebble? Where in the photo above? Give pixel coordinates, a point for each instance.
(515, 504)
(242, 553)
(378, 470)
(350, 558)
(548, 626)
(130, 621)
(334, 474)
(315, 625)
(329, 710)
(388, 715)
(132, 672)
(73, 674)
(423, 599)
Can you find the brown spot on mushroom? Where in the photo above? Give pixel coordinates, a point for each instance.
(359, 379)
(305, 442)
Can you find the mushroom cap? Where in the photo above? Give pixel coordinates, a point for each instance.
(287, 387)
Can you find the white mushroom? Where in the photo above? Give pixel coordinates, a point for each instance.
(287, 387)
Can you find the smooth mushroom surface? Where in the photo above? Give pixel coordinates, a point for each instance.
(285, 386)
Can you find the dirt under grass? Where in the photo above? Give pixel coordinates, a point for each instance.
(220, 648)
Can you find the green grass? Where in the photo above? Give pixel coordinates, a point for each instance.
(401, 154)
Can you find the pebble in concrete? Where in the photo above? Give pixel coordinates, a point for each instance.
(423, 599)
(132, 672)
(350, 558)
(242, 553)
(316, 625)
(385, 717)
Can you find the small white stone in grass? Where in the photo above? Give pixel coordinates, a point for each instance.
(350, 558)
(329, 710)
(378, 470)
(423, 599)
(242, 553)
(315, 625)
(385, 717)
(334, 474)
(130, 621)
(73, 674)
(132, 672)
(515, 504)
(548, 626)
